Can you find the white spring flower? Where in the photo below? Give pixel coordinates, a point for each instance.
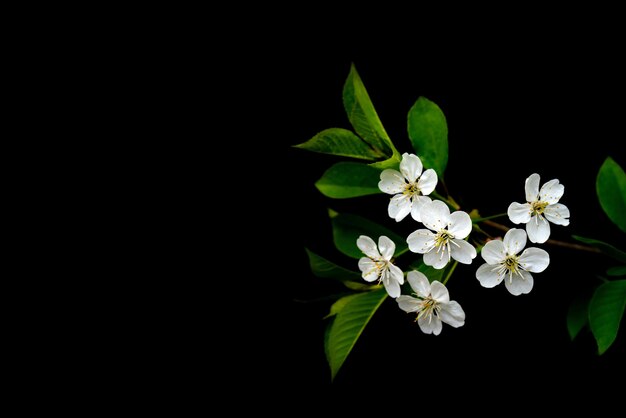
(377, 265)
(503, 263)
(409, 186)
(447, 239)
(541, 205)
(432, 304)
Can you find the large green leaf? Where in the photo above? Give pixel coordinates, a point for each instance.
(347, 229)
(341, 142)
(340, 304)
(349, 323)
(607, 249)
(329, 270)
(345, 179)
(363, 116)
(617, 271)
(428, 131)
(605, 312)
(611, 189)
(577, 316)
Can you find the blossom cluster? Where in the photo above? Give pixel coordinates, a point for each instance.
(446, 238)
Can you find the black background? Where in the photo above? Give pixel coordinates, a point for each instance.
(510, 113)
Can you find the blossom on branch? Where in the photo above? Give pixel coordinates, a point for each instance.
(409, 185)
(503, 263)
(377, 265)
(541, 206)
(432, 304)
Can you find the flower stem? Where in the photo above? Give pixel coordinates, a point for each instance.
(450, 273)
(554, 242)
(499, 215)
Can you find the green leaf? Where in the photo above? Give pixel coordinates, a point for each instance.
(611, 189)
(342, 142)
(577, 316)
(344, 180)
(428, 131)
(348, 228)
(607, 249)
(348, 325)
(617, 271)
(363, 116)
(340, 304)
(393, 162)
(329, 270)
(605, 312)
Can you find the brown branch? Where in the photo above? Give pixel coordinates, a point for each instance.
(554, 242)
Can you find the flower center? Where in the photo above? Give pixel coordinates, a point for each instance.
(511, 266)
(411, 189)
(429, 307)
(381, 266)
(539, 207)
(443, 239)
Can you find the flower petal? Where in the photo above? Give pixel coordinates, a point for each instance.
(409, 303)
(418, 203)
(532, 187)
(538, 229)
(452, 314)
(557, 214)
(396, 273)
(419, 283)
(421, 241)
(435, 215)
(427, 181)
(439, 292)
(437, 260)
(460, 224)
(430, 324)
(493, 252)
(399, 207)
(368, 246)
(392, 287)
(387, 247)
(463, 251)
(519, 213)
(551, 192)
(487, 275)
(514, 241)
(517, 286)
(391, 182)
(369, 269)
(410, 166)
(534, 259)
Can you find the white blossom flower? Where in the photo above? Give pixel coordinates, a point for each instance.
(504, 263)
(377, 265)
(409, 185)
(432, 304)
(541, 205)
(449, 231)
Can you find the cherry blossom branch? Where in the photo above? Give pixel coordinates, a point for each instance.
(554, 242)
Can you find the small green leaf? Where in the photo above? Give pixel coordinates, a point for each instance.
(344, 180)
(393, 162)
(607, 249)
(428, 131)
(342, 142)
(605, 312)
(348, 228)
(328, 270)
(348, 325)
(611, 189)
(617, 271)
(339, 305)
(577, 316)
(363, 116)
